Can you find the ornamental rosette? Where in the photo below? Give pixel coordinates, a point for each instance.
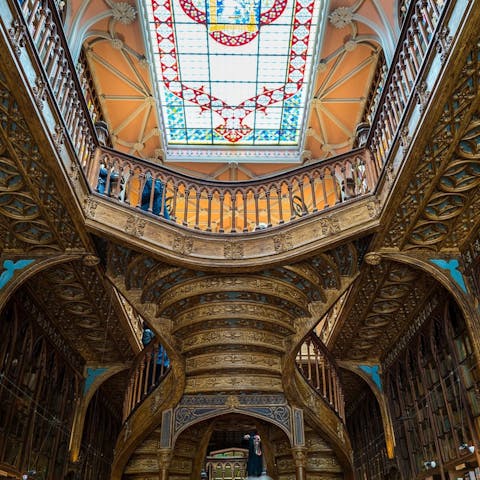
(124, 13)
(341, 17)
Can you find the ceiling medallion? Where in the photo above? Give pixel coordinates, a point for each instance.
(341, 17)
(124, 13)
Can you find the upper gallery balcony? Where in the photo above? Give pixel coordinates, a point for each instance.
(326, 160)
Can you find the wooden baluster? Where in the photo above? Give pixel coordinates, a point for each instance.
(314, 198)
(197, 210)
(245, 213)
(337, 186)
(174, 204)
(426, 12)
(155, 373)
(399, 89)
(290, 199)
(324, 380)
(233, 200)
(309, 363)
(221, 198)
(209, 212)
(410, 74)
(269, 211)
(33, 12)
(317, 369)
(163, 205)
(412, 52)
(335, 391)
(324, 189)
(330, 384)
(302, 198)
(135, 388)
(185, 209)
(391, 119)
(39, 27)
(422, 33)
(280, 207)
(257, 217)
(54, 81)
(43, 39)
(147, 379)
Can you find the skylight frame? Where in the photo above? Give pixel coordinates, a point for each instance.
(235, 152)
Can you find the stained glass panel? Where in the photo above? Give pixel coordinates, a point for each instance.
(233, 72)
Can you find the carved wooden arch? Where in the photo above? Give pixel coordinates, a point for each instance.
(37, 264)
(382, 403)
(463, 298)
(103, 374)
(204, 427)
(195, 409)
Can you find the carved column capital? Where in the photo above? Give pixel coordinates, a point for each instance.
(164, 458)
(300, 456)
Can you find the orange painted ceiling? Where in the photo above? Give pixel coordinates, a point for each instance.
(355, 36)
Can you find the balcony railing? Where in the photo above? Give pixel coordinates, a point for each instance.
(230, 207)
(150, 368)
(417, 38)
(46, 32)
(235, 207)
(318, 367)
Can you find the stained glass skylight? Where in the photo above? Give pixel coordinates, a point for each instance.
(233, 76)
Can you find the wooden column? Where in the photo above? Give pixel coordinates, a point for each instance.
(164, 459)
(300, 459)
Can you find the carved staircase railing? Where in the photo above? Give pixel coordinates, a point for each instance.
(46, 32)
(401, 85)
(241, 206)
(318, 367)
(149, 369)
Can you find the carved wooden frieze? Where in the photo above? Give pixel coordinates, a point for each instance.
(235, 336)
(233, 360)
(36, 215)
(436, 208)
(244, 311)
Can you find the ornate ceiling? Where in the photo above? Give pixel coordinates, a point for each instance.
(433, 207)
(355, 36)
(40, 224)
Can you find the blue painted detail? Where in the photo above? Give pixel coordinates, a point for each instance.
(92, 374)
(451, 266)
(373, 372)
(10, 268)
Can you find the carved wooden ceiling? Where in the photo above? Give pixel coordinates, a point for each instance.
(39, 221)
(357, 34)
(434, 205)
(388, 297)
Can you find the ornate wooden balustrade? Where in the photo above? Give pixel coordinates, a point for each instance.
(150, 368)
(319, 369)
(46, 31)
(230, 207)
(417, 38)
(221, 207)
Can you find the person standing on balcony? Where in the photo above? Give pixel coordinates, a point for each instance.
(255, 454)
